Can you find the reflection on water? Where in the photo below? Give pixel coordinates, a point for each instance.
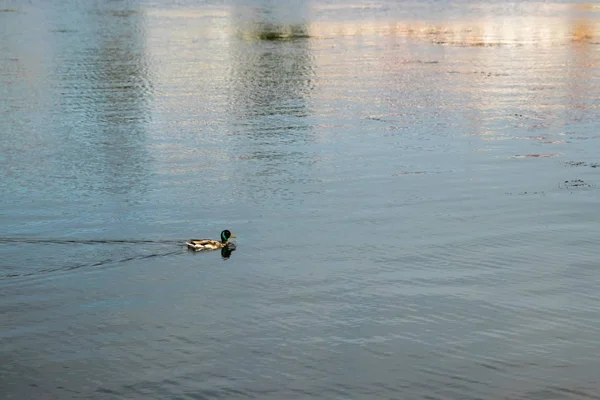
(271, 20)
(77, 99)
(227, 250)
(269, 79)
(414, 186)
(270, 82)
(106, 88)
(483, 25)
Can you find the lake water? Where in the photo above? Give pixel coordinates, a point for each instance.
(413, 186)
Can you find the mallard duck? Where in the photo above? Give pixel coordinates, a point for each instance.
(209, 244)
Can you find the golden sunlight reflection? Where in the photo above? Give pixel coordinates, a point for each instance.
(515, 31)
(551, 24)
(254, 61)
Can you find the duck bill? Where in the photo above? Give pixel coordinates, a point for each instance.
(232, 237)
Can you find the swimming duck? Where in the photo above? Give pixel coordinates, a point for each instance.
(209, 244)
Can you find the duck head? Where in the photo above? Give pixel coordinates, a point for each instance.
(225, 235)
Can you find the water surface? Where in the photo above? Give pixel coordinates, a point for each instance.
(413, 187)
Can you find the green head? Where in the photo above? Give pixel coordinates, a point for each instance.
(225, 235)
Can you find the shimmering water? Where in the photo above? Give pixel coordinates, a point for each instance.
(413, 186)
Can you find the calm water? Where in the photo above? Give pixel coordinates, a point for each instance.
(413, 185)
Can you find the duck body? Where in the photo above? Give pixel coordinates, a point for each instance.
(209, 244)
(204, 244)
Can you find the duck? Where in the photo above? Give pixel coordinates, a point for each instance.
(210, 244)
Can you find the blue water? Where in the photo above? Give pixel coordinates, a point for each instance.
(413, 187)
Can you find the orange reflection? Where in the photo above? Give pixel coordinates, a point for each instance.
(549, 25)
(489, 32)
